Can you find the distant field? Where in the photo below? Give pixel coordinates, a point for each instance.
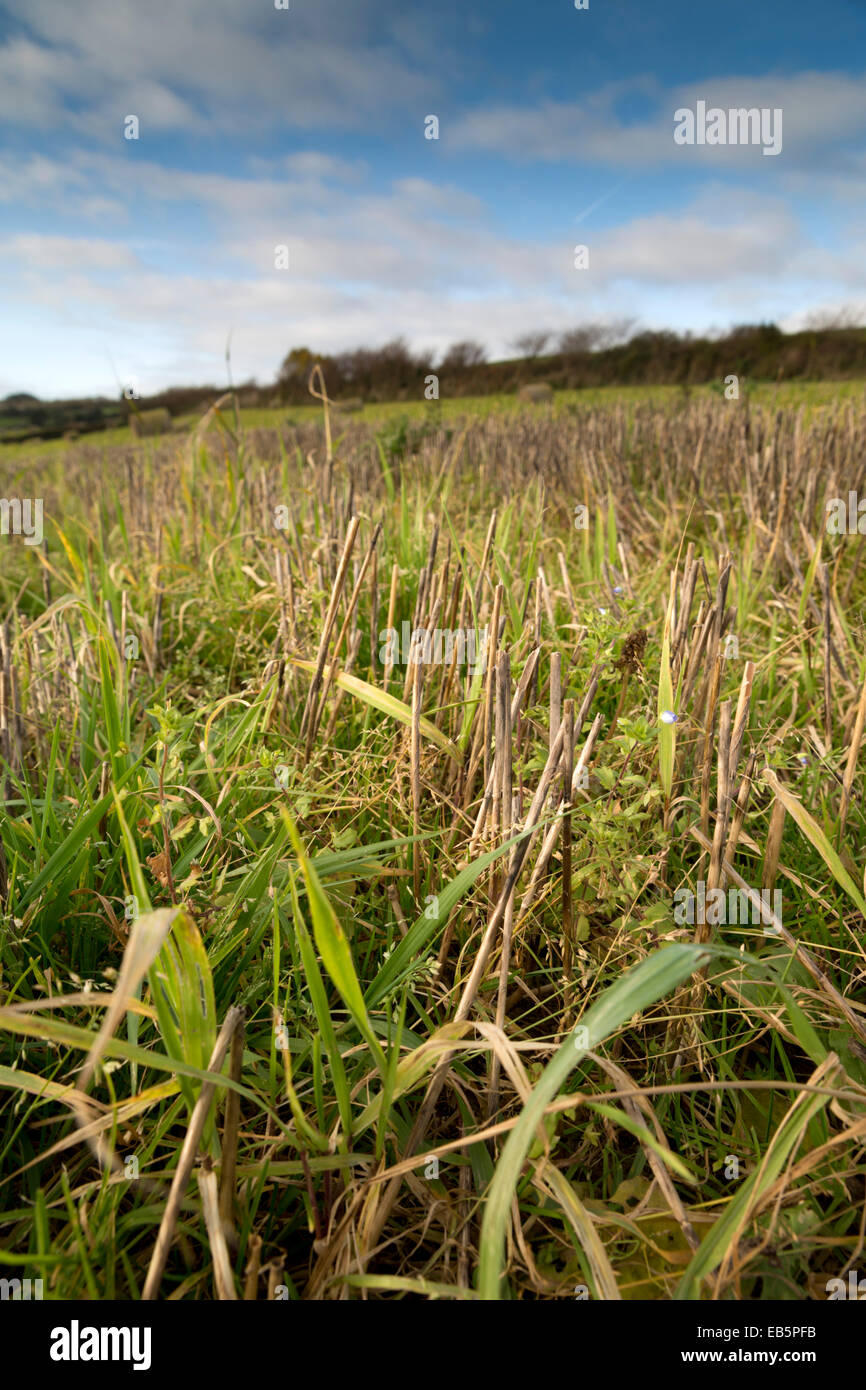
(812, 395)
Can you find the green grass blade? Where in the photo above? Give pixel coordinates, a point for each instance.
(386, 704)
(659, 974)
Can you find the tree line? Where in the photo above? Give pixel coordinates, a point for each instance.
(589, 355)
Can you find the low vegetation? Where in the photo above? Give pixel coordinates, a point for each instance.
(338, 961)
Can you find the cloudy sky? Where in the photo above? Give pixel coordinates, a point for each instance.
(304, 128)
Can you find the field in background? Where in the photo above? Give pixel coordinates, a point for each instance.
(811, 394)
(417, 920)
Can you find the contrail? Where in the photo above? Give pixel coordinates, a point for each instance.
(603, 199)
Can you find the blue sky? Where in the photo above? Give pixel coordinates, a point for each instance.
(134, 260)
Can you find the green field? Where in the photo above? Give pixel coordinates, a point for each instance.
(333, 973)
(810, 394)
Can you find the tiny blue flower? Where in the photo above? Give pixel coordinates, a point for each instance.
(617, 588)
(602, 611)
(668, 717)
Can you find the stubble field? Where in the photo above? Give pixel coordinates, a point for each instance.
(340, 960)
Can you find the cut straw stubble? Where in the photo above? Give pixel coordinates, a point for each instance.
(309, 721)
(504, 749)
(385, 1206)
(187, 1157)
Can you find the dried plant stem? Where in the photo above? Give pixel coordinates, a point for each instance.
(187, 1157)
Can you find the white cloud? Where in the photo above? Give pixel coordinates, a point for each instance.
(209, 65)
(313, 164)
(820, 110)
(48, 255)
(417, 258)
(724, 235)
